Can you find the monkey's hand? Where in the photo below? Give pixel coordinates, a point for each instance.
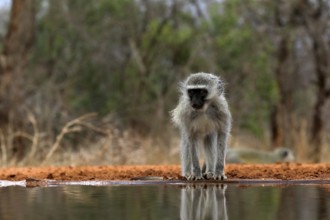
(196, 175)
(192, 177)
(209, 176)
(220, 177)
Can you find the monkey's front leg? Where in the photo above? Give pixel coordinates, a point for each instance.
(210, 151)
(196, 170)
(221, 154)
(185, 156)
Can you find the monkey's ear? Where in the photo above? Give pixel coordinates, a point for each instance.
(182, 87)
(220, 86)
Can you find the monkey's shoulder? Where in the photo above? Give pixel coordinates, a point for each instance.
(218, 111)
(181, 115)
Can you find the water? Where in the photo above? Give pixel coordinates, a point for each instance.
(166, 202)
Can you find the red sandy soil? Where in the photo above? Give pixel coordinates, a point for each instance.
(284, 171)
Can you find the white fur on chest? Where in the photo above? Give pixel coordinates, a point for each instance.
(203, 125)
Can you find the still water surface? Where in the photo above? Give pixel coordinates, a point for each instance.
(166, 202)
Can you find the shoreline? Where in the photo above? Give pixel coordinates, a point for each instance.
(279, 171)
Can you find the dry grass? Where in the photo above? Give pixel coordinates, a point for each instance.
(299, 139)
(111, 146)
(120, 148)
(39, 152)
(70, 127)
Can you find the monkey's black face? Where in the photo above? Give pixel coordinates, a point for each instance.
(284, 154)
(197, 97)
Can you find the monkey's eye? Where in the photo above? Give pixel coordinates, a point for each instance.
(203, 93)
(191, 92)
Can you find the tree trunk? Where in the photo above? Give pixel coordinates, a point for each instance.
(315, 21)
(280, 117)
(16, 46)
(322, 71)
(277, 116)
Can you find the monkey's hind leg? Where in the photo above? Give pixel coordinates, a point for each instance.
(220, 157)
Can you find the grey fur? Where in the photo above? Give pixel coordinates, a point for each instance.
(209, 126)
(249, 155)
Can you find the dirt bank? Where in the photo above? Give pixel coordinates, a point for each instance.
(285, 171)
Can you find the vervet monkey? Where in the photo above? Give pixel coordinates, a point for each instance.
(247, 155)
(203, 117)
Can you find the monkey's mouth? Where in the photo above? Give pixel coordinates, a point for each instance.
(198, 106)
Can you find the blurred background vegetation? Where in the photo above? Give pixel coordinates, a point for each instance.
(62, 61)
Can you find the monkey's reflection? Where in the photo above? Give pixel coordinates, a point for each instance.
(203, 202)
